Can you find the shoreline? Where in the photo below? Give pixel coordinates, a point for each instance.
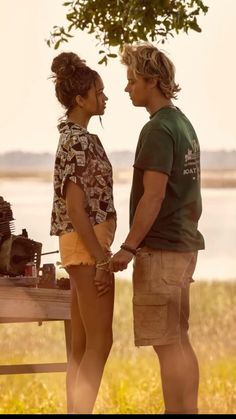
(209, 178)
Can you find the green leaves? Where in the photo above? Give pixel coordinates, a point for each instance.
(116, 22)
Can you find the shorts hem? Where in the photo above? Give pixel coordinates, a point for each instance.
(156, 342)
(82, 263)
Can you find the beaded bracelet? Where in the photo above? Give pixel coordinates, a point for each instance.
(126, 247)
(102, 263)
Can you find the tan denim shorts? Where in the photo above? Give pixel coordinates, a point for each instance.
(74, 252)
(161, 280)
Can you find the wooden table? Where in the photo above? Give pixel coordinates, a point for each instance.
(28, 304)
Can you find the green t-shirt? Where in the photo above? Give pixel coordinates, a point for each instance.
(169, 144)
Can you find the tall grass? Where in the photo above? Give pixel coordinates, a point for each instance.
(131, 382)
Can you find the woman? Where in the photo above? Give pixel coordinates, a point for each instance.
(84, 218)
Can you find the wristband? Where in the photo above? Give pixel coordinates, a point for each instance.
(129, 249)
(102, 263)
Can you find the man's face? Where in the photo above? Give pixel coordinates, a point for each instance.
(138, 89)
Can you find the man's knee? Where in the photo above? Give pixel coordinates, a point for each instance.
(168, 350)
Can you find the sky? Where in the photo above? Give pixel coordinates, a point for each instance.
(205, 69)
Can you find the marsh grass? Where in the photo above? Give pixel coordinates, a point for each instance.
(131, 382)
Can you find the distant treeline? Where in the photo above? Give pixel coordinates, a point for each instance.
(13, 160)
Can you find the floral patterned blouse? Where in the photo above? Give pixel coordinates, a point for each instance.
(81, 158)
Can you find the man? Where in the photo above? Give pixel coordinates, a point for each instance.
(165, 206)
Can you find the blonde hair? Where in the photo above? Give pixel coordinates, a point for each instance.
(149, 62)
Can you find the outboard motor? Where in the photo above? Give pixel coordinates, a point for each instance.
(16, 251)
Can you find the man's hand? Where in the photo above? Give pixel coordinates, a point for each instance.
(120, 260)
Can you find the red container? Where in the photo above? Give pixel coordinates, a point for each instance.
(31, 269)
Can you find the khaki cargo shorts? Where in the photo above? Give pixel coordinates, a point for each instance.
(161, 280)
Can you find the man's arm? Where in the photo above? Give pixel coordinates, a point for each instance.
(146, 213)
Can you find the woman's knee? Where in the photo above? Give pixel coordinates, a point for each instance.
(107, 348)
(106, 344)
(101, 345)
(77, 350)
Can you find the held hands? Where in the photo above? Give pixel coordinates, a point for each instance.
(120, 260)
(104, 276)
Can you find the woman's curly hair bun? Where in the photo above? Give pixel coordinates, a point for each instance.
(65, 65)
(71, 77)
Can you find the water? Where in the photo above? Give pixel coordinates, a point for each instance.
(31, 205)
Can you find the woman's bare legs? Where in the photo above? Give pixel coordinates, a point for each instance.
(96, 315)
(78, 343)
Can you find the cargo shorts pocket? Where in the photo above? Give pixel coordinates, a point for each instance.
(150, 315)
(177, 268)
(141, 272)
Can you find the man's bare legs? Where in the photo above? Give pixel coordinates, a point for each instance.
(179, 367)
(179, 376)
(192, 376)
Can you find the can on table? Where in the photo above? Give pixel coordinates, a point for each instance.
(31, 269)
(48, 277)
(49, 271)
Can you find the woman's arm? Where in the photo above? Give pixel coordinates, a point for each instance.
(75, 205)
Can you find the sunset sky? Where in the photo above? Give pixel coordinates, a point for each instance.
(205, 69)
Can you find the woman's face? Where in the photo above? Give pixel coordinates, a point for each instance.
(95, 101)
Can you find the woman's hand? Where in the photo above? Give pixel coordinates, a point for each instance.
(103, 281)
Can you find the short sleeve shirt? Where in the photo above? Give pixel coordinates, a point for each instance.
(168, 143)
(81, 158)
